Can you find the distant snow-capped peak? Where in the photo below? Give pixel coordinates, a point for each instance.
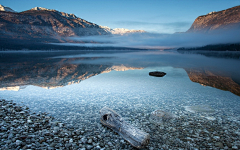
(41, 8)
(121, 30)
(4, 8)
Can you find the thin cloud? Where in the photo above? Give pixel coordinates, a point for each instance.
(155, 40)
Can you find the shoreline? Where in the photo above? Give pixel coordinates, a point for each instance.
(21, 129)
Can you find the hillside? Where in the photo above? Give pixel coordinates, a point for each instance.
(40, 23)
(224, 24)
(222, 20)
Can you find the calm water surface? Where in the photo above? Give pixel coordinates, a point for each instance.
(74, 86)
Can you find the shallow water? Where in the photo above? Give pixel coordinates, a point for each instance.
(74, 86)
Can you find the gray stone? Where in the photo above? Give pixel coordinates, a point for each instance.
(216, 138)
(235, 147)
(229, 144)
(83, 140)
(90, 141)
(53, 144)
(18, 142)
(59, 145)
(56, 128)
(99, 136)
(151, 148)
(89, 147)
(8, 141)
(70, 140)
(67, 145)
(60, 125)
(97, 147)
(219, 144)
(50, 148)
(101, 144)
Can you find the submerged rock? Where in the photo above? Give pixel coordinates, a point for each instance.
(199, 108)
(157, 74)
(159, 117)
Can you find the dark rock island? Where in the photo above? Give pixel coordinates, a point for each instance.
(157, 74)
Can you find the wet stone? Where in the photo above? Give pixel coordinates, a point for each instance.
(235, 147)
(67, 145)
(89, 147)
(90, 141)
(18, 142)
(83, 140)
(50, 148)
(159, 117)
(189, 130)
(8, 141)
(53, 144)
(219, 144)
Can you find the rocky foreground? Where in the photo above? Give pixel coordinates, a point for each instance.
(21, 129)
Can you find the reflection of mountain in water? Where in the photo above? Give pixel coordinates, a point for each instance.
(50, 73)
(14, 88)
(119, 68)
(207, 78)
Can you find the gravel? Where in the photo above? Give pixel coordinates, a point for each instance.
(22, 129)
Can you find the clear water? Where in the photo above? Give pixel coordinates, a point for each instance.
(131, 92)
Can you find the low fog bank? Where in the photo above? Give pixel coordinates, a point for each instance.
(161, 41)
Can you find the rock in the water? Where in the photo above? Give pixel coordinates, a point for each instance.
(89, 146)
(18, 142)
(159, 116)
(199, 108)
(219, 144)
(157, 74)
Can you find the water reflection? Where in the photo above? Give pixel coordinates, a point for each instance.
(113, 81)
(208, 78)
(53, 70)
(51, 73)
(13, 88)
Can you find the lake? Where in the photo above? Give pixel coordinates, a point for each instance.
(200, 90)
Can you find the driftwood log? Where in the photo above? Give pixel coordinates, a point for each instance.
(157, 74)
(133, 135)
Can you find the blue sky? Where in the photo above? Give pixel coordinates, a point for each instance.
(160, 16)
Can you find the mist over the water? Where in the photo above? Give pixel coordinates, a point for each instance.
(161, 41)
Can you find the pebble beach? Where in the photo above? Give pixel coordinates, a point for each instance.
(22, 129)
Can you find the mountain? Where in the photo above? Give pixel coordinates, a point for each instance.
(43, 24)
(121, 31)
(34, 28)
(221, 20)
(40, 22)
(3, 8)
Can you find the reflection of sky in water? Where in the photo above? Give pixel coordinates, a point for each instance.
(125, 91)
(162, 58)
